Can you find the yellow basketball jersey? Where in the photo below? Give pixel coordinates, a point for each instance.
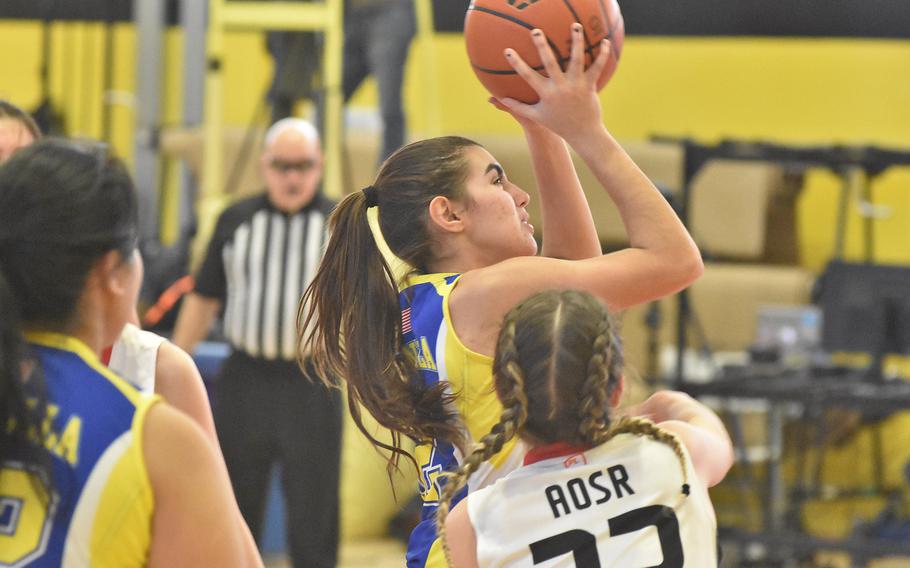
(431, 341)
(100, 510)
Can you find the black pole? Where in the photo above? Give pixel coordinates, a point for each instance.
(693, 159)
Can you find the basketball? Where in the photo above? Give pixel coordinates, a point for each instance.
(493, 25)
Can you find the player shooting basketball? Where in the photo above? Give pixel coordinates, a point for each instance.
(417, 353)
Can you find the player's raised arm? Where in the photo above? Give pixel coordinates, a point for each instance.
(569, 106)
(661, 258)
(697, 426)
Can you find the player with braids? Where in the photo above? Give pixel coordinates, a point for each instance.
(591, 484)
(416, 352)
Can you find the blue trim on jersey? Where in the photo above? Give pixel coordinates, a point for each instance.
(427, 316)
(424, 534)
(77, 391)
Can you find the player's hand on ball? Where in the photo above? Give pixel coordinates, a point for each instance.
(524, 121)
(569, 105)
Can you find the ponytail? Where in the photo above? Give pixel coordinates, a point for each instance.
(21, 424)
(350, 319)
(13, 410)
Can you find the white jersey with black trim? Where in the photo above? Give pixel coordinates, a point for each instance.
(619, 504)
(135, 357)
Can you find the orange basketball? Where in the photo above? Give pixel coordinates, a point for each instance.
(493, 25)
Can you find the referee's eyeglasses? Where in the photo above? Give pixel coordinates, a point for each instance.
(285, 166)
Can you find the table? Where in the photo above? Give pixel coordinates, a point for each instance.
(842, 160)
(808, 391)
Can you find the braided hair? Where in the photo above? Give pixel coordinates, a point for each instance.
(510, 387)
(552, 345)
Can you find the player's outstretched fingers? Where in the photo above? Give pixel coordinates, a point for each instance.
(596, 68)
(532, 77)
(547, 57)
(518, 108)
(577, 56)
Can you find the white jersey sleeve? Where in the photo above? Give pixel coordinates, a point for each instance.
(135, 357)
(619, 504)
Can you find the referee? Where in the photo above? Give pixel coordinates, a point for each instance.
(263, 253)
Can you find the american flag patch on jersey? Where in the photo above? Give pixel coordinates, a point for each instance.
(406, 320)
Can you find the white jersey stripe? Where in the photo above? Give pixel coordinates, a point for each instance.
(227, 257)
(293, 264)
(314, 246)
(76, 553)
(239, 291)
(256, 272)
(270, 344)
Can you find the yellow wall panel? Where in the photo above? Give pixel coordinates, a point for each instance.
(20, 42)
(792, 90)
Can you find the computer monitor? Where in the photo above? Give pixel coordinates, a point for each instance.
(788, 335)
(866, 308)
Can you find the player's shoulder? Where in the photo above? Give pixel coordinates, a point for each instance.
(519, 276)
(136, 338)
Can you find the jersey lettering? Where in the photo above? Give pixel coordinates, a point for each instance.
(429, 483)
(661, 517)
(605, 493)
(619, 476)
(583, 545)
(579, 493)
(63, 443)
(432, 461)
(576, 491)
(26, 513)
(421, 354)
(10, 508)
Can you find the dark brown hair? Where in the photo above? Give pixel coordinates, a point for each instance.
(552, 346)
(349, 319)
(62, 206)
(9, 110)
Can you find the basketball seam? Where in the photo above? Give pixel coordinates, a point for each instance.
(584, 31)
(518, 21)
(605, 12)
(502, 71)
(561, 60)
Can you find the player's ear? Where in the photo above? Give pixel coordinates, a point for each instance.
(107, 272)
(446, 214)
(616, 395)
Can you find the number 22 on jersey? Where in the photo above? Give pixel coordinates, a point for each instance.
(583, 545)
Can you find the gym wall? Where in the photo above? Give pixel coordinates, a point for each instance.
(845, 80)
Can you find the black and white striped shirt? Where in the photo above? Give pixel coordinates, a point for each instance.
(258, 264)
